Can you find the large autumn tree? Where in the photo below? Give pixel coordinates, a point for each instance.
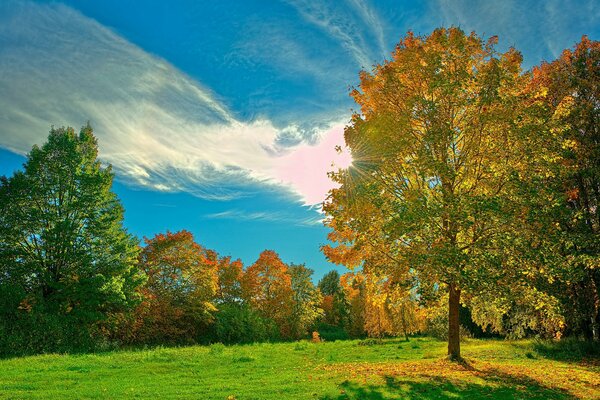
(570, 87)
(441, 150)
(63, 248)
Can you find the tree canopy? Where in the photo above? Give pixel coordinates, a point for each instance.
(181, 285)
(571, 92)
(442, 147)
(63, 248)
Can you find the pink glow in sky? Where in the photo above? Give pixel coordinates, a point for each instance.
(305, 169)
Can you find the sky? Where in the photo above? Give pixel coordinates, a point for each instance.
(222, 116)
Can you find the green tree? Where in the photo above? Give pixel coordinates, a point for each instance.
(442, 149)
(235, 320)
(334, 304)
(355, 293)
(63, 248)
(306, 298)
(329, 284)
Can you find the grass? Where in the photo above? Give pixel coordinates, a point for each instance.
(389, 369)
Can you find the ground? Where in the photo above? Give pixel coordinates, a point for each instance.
(388, 369)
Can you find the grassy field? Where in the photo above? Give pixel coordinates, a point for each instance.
(391, 369)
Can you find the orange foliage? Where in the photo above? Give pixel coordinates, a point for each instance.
(180, 287)
(267, 286)
(353, 284)
(328, 310)
(230, 276)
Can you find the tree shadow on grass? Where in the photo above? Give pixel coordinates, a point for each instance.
(498, 385)
(569, 350)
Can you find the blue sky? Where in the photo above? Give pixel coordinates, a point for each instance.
(221, 117)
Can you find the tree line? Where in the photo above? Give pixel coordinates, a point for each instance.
(73, 279)
(470, 208)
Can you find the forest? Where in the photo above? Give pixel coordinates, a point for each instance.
(470, 210)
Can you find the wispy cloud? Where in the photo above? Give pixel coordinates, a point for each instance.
(336, 21)
(540, 29)
(164, 205)
(158, 127)
(240, 215)
(308, 72)
(372, 22)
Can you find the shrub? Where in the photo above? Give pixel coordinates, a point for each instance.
(33, 333)
(316, 338)
(330, 333)
(241, 324)
(436, 324)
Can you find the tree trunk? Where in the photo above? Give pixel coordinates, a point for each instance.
(595, 318)
(454, 323)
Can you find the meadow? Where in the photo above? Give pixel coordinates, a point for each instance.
(367, 369)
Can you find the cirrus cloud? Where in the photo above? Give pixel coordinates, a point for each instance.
(158, 127)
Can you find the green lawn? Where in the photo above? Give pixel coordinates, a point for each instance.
(392, 369)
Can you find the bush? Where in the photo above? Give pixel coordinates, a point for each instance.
(330, 333)
(437, 327)
(240, 324)
(436, 324)
(36, 333)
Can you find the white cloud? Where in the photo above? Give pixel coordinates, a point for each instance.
(238, 215)
(372, 20)
(302, 168)
(158, 127)
(340, 25)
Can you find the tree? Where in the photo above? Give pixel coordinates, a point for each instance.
(529, 310)
(442, 149)
(378, 322)
(267, 287)
(329, 285)
(230, 275)
(306, 298)
(353, 284)
(239, 323)
(334, 304)
(387, 287)
(181, 285)
(570, 88)
(406, 315)
(63, 248)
